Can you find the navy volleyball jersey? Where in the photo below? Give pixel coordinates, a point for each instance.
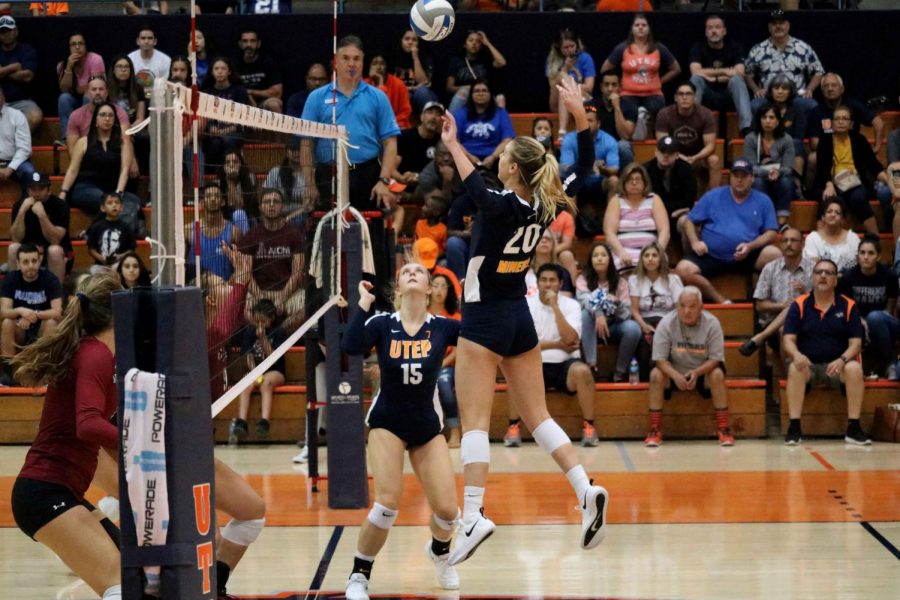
(507, 229)
(406, 405)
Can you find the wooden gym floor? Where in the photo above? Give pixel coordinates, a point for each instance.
(689, 520)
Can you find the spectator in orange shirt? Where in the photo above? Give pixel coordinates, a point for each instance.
(393, 87)
(425, 252)
(432, 225)
(564, 228)
(624, 6)
(54, 9)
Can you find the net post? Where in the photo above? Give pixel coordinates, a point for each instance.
(347, 481)
(165, 183)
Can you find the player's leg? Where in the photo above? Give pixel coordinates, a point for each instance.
(432, 465)
(525, 379)
(385, 452)
(247, 510)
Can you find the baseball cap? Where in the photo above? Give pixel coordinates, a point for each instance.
(434, 104)
(777, 16)
(37, 179)
(7, 22)
(741, 166)
(425, 252)
(667, 144)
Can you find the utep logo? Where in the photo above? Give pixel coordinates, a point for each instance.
(410, 348)
(203, 522)
(136, 401)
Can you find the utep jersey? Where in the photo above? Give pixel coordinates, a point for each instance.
(506, 231)
(409, 364)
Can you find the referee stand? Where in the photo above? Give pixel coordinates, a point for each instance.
(157, 331)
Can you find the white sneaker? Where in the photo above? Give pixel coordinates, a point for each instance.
(593, 516)
(357, 587)
(302, 456)
(470, 537)
(447, 576)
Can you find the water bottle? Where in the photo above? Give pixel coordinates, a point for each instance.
(634, 372)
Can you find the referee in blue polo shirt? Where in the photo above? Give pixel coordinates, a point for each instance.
(371, 126)
(823, 335)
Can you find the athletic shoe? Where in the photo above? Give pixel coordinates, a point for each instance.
(792, 437)
(589, 435)
(653, 439)
(513, 437)
(357, 587)
(593, 516)
(447, 576)
(263, 427)
(725, 437)
(237, 431)
(302, 456)
(855, 435)
(471, 537)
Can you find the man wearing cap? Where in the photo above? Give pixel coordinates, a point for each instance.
(738, 225)
(694, 128)
(602, 182)
(782, 54)
(41, 219)
(672, 178)
(415, 147)
(425, 252)
(15, 144)
(717, 72)
(18, 63)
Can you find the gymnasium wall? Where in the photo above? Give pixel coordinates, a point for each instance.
(861, 45)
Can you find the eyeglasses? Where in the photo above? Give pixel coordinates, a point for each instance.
(827, 272)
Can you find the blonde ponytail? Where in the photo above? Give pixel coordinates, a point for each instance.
(88, 313)
(540, 171)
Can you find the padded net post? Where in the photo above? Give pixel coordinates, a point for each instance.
(158, 330)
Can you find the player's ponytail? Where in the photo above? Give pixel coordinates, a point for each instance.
(89, 312)
(540, 172)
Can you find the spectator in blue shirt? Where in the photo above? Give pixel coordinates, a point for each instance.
(484, 127)
(568, 57)
(603, 180)
(19, 63)
(367, 114)
(823, 335)
(738, 225)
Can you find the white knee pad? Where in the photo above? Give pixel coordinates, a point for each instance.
(447, 525)
(243, 533)
(113, 593)
(550, 436)
(381, 516)
(475, 447)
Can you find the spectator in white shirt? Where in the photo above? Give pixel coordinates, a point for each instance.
(149, 63)
(15, 144)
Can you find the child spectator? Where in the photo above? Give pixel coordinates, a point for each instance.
(109, 239)
(258, 341)
(432, 225)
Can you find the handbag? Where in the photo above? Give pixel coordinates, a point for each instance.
(846, 180)
(886, 426)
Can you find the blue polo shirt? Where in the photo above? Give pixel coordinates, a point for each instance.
(727, 223)
(605, 148)
(823, 336)
(367, 115)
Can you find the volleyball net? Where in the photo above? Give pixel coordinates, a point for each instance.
(247, 188)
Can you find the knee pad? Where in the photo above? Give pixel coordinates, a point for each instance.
(381, 516)
(243, 533)
(475, 447)
(550, 436)
(447, 525)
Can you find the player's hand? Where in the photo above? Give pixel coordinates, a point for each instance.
(366, 297)
(699, 247)
(448, 129)
(570, 95)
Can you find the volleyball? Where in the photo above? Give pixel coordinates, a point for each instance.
(432, 20)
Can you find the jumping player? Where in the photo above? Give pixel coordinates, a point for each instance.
(404, 416)
(77, 363)
(497, 328)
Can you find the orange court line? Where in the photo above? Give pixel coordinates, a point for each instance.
(635, 498)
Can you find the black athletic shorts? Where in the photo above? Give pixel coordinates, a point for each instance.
(35, 503)
(555, 375)
(415, 424)
(700, 387)
(710, 266)
(504, 327)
